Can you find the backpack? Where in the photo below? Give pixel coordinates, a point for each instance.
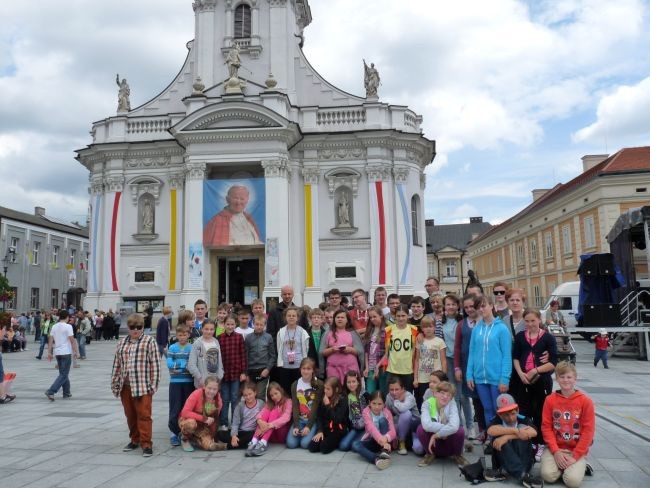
(473, 472)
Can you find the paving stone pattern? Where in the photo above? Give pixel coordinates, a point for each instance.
(78, 442)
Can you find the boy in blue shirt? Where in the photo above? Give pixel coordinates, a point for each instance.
(181, 382)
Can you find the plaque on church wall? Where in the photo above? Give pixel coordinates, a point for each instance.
(234, 212)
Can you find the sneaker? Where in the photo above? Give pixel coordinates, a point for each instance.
(223, 428)
(402, 448)
(187, 445)
(426, 460)
(530, 481)
(589, 470)
(259, 450)
(77, 366)
(38, 357)
(493, 475)
(49, 396)
(147, 452)
(460, 460)
(472, 432)
(130, 447)
(538, 452)
(69, 395)
(382, 463)
(249, 449)
(174, 440)
(480, 438)
(384, 455)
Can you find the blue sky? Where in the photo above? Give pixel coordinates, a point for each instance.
(513, 92)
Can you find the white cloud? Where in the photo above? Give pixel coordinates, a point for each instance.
(621, 115)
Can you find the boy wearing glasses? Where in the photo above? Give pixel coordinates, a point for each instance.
(134, 379)
(500, 303)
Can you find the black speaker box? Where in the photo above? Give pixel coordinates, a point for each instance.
(598, 265)
(601, 315)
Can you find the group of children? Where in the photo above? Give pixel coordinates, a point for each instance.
(381, 390)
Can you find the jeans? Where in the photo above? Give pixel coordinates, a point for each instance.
(230, 398)
(601, 354)
(42, 346)
(294, 441)
(81, 340)
(178, 393)
(369, 448)
(488, 395)
(381, 383)
(64, 361)
(463, 402)
(515, 457)
(347, 442)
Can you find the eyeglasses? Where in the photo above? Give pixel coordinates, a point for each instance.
(136, 327)
(499, 292)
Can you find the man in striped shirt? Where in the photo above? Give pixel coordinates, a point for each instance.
(135, 378)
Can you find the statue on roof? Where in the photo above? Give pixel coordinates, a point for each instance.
(123, 102)
(371, 79)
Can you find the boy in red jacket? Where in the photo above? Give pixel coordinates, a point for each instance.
(568, 424)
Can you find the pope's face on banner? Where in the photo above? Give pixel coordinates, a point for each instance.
(237, 199)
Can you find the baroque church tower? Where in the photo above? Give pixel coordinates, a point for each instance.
(250, 171)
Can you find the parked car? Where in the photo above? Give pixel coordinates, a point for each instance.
(567, 296)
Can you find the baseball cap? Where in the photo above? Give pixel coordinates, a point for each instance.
(603, 331)
(505, 403)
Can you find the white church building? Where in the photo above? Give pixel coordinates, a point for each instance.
(250, 171)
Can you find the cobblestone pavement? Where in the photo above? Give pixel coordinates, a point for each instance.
(77, 442)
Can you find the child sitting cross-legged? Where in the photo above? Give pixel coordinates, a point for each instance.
(441, 434)
(512, 436)
(331, 418)
(272, 421)
(375, 445)
(244, 419)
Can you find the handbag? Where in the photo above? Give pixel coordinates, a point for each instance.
(473, 472)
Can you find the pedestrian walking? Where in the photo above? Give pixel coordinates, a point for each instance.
(62, 345)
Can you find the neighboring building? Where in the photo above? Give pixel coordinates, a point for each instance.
(447, 257)
(45, 260)
(332, 183)
(540, 247)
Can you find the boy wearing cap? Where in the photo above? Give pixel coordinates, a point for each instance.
(512, 436)
(602, 345)
(568, 425)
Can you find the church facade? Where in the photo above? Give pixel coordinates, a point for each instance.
(249, 172)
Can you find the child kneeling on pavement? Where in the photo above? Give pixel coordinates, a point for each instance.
(197, 420)
(512, 436)
(568, 424)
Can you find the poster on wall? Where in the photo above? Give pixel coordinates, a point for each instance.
(272, 262)
(234, 212)
(196, 265)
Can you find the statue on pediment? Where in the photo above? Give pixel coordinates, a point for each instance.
(123, 102)
(371, 79)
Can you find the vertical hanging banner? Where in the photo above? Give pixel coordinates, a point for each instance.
(172, 239)
(406, 269)
(195, 266)
(379, 221)
(272, 262)
(116, 209)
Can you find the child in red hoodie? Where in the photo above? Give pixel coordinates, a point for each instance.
(568, 425)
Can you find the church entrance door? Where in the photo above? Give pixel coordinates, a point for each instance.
(239, 280)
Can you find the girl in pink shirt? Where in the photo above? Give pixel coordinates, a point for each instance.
(272, 421)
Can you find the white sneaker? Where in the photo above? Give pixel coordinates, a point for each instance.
(538, 452)
(472, 432)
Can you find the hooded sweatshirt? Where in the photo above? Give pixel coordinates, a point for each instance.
(490, 354)
(568, 423)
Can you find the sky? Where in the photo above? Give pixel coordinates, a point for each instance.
(513, 92)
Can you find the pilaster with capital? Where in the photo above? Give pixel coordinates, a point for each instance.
(204, 5)
(276, 168)
(378, 172)
(401, 175)
(311, 176)
(193, 227)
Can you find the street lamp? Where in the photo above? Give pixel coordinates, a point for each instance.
(10, 256)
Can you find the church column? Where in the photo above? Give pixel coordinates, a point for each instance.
(313, 294)
(204, 12)
(278, 260)
(112, 212)
(381, 224)
(194, 258)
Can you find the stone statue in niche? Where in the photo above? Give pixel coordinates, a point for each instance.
(147, 217)
(343, 211)
(123, 102)
(371, 79)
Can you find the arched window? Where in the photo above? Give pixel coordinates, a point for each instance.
(415, 219)
(242, 21)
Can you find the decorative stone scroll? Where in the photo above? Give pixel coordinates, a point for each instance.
(276, 168)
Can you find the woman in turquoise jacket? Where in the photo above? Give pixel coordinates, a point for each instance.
(490, 358)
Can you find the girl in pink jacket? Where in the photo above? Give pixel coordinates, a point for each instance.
(380, 432)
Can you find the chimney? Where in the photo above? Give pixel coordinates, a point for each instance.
(39, 211)
(539, 193)
(591, 160)
(476, 220)
(429, 222)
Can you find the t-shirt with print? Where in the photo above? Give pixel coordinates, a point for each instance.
(400, 349)
(211, 356)
(430, 358)
(209, 408)
(306, 395)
